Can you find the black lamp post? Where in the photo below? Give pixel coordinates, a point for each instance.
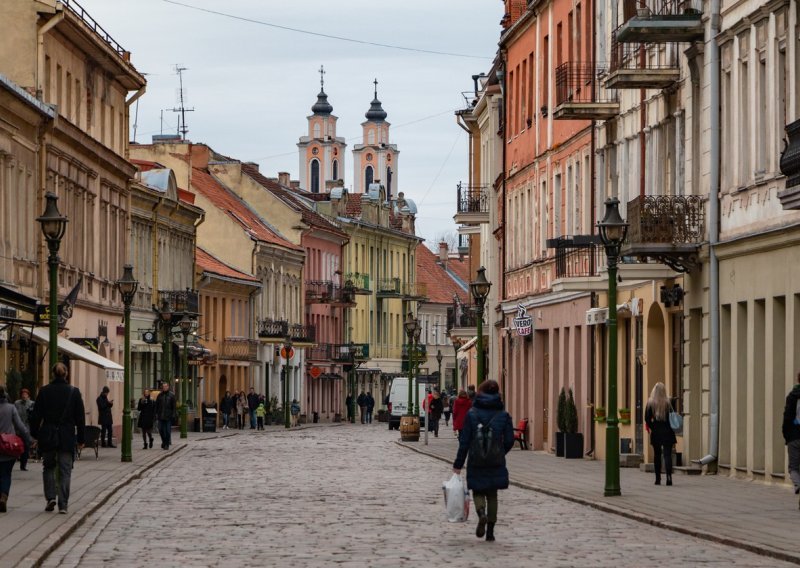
(410, 324)
(186, 328)
(127, 286)
(415, 361)
(439, 358)
(289, 353)
(351, 381)
(165, 319)
(613, 230)
(54, 225)
(480, 290)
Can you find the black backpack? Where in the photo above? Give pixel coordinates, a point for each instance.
(487, 448)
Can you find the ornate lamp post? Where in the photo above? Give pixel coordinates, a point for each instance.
(612, 232)
(409, 424)
(415, 365)
(439, 358)
(127, 286)
(456, 345)
(54, 225)
(351, 381)
(289, 353)
(165, 318)
(480, 290)
(186, 328)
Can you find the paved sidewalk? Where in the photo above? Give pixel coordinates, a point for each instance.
(29, 533)
(748, 515)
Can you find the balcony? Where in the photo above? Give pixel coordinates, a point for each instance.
(581, 94)
(790, 167)
(642, 66)
(339, 352)
(415, 291)
(661, 21)
(239, 349)
(273, 329)
(579, 261)
(666, 228)
(389, 288)
(419, 351)
(462, 317)
(326, 292)
(299, 333)
(473, 205)
(179, 301)
(360, 282)
(463, 244)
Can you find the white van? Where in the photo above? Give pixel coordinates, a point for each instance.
(398, 401)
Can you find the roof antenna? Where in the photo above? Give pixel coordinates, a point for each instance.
(182, 128)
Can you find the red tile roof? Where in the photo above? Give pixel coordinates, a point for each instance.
(146, 165)
(209, 263)
(460, 267)
(290, 196)
(236, 209)
(441, 287)
(354, 205)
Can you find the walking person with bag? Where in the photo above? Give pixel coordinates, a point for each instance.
(226, 406)
(791, 433)
(461, 407)
(58, 423)
(662, 437)
(105, 419)
(485, 439)
(147, 416)
(14, 440)
(436, 407)
(166, 408)
(24, 408)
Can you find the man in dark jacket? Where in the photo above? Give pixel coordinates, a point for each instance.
(252, 404)
(226, 406)
(370, 407)
(791, 433)
(361, 401)
(58, 423)
(484, 479)
(147, 416)
(105, 419)
(165, 412)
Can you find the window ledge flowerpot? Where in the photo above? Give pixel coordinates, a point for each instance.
(599, 414)
(624, 415)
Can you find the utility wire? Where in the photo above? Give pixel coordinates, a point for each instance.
(436, 178)
(328, 36)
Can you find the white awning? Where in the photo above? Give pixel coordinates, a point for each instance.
(113, 370)
(139, 346)
(468, 345)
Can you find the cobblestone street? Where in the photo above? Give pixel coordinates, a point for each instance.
(349, 496)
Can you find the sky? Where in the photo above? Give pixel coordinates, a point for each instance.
(252, 86)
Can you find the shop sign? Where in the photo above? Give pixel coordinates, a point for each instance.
(523, 323)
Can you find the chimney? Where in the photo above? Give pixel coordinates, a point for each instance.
(284, 178)
(443, 252)
(252, 165)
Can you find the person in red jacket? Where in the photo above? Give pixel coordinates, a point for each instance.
(461, 406)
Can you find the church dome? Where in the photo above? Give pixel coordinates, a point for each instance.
(376, 112)
(322, 107)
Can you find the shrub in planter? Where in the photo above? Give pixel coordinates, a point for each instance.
(561, 422)
(573, 441)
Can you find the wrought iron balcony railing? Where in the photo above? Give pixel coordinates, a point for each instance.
(580, 256)
(473, 199)
(415, 289)
(268, 328)
(642, 66)
(302, 333)
(179, 301)
(661, 21)
(420, 351)
(84, 16)
(790, 167)
(360, 282)
(389, 287)
(240, 349)
(326, 292)
(461, 315)
(581, 92)
(339, 352)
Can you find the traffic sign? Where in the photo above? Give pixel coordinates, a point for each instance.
(315, 372)
(287, 353)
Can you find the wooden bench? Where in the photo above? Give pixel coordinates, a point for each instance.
(521, 434)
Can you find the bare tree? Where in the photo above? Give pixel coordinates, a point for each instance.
(449, 237)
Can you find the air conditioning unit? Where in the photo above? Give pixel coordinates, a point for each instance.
(596, 316)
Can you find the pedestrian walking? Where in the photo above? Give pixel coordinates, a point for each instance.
(348, 402)
(104, 418)
(370, 407)
(252, 404)
(147, 417)
(10, 423)
(226, 407)
(361, 401)
(166, 406)
(662, 438)
(791, 433)
(261, 413)
(486, 437)
(471, 392)
(294, 410)
(24, 408)
(58, 423)
(461, 406)
(446, 408)
(435, 412)
(241, 410)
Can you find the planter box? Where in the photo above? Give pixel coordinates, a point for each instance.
(573, 446)
(560, 444)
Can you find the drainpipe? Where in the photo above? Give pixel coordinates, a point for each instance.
(53, 22)
(713, 235)
(128, 104)
(154, 211)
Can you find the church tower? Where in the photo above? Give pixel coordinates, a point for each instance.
(375, 159)
(321, 151)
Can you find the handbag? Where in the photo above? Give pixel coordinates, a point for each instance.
(675, 421)
(11, 445)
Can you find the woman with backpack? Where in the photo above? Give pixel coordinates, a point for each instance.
(485, 439)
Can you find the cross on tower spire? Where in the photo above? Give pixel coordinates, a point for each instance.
(322, 77)
(376, 87)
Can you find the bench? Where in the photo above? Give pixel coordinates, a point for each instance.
(521, 434)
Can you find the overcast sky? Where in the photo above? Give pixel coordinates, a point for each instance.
(252, 85)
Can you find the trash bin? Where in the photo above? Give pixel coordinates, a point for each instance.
(209, 412)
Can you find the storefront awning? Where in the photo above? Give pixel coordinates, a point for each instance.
(42, 335)
(18, 301)
(139, 346)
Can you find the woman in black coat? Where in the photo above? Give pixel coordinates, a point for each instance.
(147, 416)
(662, 438)
(484, 479)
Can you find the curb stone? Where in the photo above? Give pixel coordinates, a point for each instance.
(605, 507)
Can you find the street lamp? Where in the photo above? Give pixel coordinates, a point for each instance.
(456, 341)
(439, 358)
(415, 365)
(612, 231)
(289, 353)
(186, 328)
(165, 317)
(351, 381)
(480, 290)
(127, 286)
(409, 424)
(54, 225)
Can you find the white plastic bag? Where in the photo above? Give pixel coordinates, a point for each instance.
(456, 499)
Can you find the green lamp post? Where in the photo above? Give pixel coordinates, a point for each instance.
(186, 328)
(127, 286)
(410, 324)
(289, 354)
(613, 230)
(415, 361)
(351, 380)
(480, 291)
(439, 358)
(53, 225)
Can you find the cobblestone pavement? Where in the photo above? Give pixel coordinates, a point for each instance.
(349, 496)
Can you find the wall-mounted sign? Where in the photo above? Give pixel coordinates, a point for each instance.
(596, 316)
(523, 323)
(315, 372)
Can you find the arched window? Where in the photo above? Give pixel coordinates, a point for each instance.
(314, 176)
(367, 178)
(316, 130)
(335, 175)
(388, 182)
(371, 136)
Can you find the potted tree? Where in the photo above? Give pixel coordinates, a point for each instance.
(573, 440)
(561, 422)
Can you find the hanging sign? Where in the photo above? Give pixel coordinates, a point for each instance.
(315, 372)
(523, 323)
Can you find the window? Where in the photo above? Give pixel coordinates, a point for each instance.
(388, 182)
(744, 114)
(335, 175)
(314, 176)
(546, 71)
(316, 130)
(368, 177)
